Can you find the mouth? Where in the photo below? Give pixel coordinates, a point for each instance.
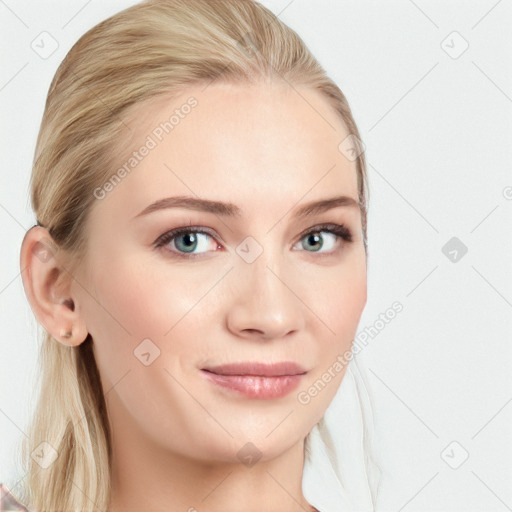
(258, 369)
(256, 380)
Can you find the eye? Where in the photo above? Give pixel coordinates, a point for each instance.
(191, 241)
(187, 240)
(314, 239)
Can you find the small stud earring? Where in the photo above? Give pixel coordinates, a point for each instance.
(65, 334)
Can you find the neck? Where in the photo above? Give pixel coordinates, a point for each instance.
(146, 476)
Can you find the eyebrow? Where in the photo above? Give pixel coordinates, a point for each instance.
(232, 210)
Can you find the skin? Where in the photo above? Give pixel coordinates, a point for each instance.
(268, 149)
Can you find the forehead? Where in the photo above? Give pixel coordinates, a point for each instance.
(248, 144)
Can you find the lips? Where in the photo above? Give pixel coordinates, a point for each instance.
(258, 369)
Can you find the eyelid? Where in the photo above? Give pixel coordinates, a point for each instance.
(331, 227)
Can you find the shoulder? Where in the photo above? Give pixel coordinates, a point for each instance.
(8, 502)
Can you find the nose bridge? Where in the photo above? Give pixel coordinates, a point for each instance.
(264, 301)
(273, 268)
(264, 271)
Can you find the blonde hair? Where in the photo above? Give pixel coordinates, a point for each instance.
(155, 47)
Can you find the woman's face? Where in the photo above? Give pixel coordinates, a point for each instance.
(251, 286)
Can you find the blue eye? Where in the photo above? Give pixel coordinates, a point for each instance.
(315, 237)
(316, 241)
(186, 240)
(190, 241)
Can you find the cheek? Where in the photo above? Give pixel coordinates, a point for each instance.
(338, 298)
(339, 303)
(122, 311)
(348, 302)
(139, 303)
(139, 300)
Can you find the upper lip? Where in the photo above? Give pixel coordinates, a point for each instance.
(258, 369)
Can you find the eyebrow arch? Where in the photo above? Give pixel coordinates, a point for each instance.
(231, 210)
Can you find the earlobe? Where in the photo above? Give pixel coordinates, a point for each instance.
(47, 286)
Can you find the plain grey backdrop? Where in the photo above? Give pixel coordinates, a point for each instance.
(430, 87)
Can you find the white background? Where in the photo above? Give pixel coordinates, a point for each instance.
(438, 132)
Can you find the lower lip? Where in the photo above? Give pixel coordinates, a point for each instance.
(251, 386)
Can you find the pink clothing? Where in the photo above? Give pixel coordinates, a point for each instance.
(8, 503)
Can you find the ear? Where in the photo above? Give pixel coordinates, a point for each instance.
(47, 286)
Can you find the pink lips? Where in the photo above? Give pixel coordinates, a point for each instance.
(257, 380)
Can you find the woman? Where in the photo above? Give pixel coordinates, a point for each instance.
(199, 267)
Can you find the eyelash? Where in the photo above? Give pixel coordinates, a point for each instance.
(340, 230)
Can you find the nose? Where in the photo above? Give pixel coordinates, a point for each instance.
(265, 304)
